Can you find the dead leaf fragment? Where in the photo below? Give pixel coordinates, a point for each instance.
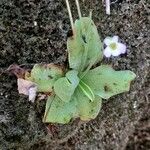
(17, 70)
(27, 88)
(32, 93)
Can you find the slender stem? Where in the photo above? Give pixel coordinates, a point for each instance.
(90, 14)
(70, 14)
(107, 3)
(78, 8)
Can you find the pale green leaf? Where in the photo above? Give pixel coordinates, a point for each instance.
(93, 46)
(87, 109)
(84, 47)
(45, 76)
(75, 47)
(58, 111)
(72, 76)
(79, 106)
(106, 82)
(65, 86)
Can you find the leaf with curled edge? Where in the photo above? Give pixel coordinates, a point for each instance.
(65, 86)
(45, 76)
(86, 90)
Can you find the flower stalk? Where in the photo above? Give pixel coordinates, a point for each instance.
(70, 14)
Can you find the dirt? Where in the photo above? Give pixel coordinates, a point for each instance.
(35, 31)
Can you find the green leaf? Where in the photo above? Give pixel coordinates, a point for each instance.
(65, 86)
(87, 90)
(93, 46)
(106, 82)
(72, 76)
(45, 76)
(84, 47)
(87, 109)
(58, 111)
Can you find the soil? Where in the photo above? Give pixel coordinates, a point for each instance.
(35, 31)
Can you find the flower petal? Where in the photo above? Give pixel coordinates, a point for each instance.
(122, 48)
(115, 38)
(107, 51)
(113, 46)
(116, 52)
(107, 41)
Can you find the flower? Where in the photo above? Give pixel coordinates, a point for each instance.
(113, 47)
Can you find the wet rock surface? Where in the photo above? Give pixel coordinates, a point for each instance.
(35, 31)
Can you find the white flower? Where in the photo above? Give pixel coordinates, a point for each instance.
(113, 47)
